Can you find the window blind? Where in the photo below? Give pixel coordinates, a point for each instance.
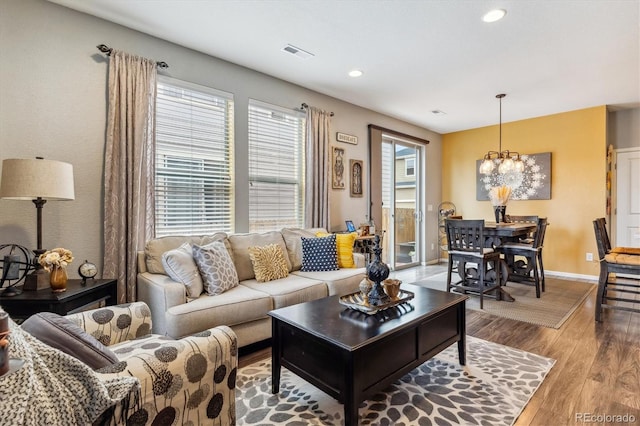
(194, 159)
(276, 167)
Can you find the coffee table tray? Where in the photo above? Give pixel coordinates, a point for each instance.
(356, 301)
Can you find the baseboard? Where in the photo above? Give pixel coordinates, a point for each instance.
(570, 275)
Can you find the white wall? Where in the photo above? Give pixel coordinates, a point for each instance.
(53, 104)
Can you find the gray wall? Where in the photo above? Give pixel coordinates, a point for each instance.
(623, 128)
(53, 104)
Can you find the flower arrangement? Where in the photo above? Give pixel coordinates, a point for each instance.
(56, 257)
(499, 195)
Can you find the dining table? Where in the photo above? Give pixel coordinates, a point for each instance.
(496, 234)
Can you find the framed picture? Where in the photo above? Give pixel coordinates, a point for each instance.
(343, 137)
(350, 226)
(337, 179)
(532, 184)
(355, 175)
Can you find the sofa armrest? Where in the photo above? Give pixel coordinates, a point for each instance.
(142, 263)
(160, 292)
(115, 324)
(186, 381)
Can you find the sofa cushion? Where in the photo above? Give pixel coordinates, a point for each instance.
(216, 267)
(341, 282)
(240, 244)
(268, 262)
(155, 248)
(236, 306)
(62, 334)
(319, 254)
(293, 240)
(344, 246)
(291, 290)
(181, 267)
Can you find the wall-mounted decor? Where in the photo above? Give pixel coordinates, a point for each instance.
(343, 137)
(337, 180)
(534, 183)
(356, 171)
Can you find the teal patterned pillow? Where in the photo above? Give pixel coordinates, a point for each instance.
(319, 254)
(216, 267)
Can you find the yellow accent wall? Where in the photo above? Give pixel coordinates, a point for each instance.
(577, 142)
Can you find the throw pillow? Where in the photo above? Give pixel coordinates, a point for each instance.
(319, 254)
(268, 263)
(216, 267)
(344, 245)
(181, 267)
(62, 334)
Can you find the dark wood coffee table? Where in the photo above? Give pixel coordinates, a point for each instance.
(351, 355)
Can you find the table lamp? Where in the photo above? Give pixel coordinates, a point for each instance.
(37, 180)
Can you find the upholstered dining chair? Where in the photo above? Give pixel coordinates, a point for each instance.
(531, 269)
(466, 244)
(622, 260)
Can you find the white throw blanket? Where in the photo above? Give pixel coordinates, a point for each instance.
(53, 388)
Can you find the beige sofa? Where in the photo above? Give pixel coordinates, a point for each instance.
(243, 308)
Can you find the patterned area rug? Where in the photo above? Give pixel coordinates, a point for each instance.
(493, 388)
(555, 305)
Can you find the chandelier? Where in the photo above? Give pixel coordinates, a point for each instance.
(508, 161)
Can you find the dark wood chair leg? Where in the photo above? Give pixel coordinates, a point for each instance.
(481, 267)
(602, 284)
(536, 275)
(541, 269)
(449, 271)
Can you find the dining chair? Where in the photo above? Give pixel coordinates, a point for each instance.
(624, 260)
(523, 219)
(531, 269)
(466, 244)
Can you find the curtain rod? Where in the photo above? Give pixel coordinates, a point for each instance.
(106, 49)
(305, 106)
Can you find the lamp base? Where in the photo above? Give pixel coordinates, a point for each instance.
(37, 280)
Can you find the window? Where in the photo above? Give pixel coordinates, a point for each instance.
(276, 167)
(194, 159)
(410, 166)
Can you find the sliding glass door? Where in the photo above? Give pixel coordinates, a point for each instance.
(401, 202)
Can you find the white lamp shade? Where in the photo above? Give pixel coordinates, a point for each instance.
(28, 179)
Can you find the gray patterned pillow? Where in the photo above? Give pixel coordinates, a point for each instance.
(216, 267)
(181, 267)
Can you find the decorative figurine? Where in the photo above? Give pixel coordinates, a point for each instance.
(377, 271)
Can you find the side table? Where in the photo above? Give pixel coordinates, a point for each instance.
(77, 298)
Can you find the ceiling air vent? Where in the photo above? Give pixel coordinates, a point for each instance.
(302, 54)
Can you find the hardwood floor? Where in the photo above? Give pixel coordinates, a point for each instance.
(597, 370)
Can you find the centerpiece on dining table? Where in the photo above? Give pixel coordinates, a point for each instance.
(499, 196)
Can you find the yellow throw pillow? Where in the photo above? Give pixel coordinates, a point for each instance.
(268, 263)
(344, 245)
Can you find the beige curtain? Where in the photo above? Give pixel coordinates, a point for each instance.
(318, 168)
(129, 170)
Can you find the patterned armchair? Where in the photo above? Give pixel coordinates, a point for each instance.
(190, 381)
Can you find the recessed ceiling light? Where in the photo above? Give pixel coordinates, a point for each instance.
(438, 112)
(355, 73)
(494, 15)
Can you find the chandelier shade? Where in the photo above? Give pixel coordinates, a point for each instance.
(507, 161)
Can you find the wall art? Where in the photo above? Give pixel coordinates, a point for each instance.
(337, 180)
(356, 171)
(532, 184)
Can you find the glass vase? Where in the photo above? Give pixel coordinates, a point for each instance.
(58, 279)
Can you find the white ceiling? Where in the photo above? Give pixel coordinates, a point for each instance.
(417, 56)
